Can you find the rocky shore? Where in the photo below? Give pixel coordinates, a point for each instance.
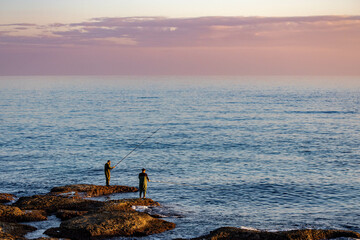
(82, 218)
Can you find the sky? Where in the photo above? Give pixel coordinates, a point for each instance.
(171, 37)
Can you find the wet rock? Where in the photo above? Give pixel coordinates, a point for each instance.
(6, 197)
(77, 206)
(15, 214)
(14, 230)
(52, 203)
(126, 204)
(229, 233)
(88, 190)
(68, 214)
(109, 224)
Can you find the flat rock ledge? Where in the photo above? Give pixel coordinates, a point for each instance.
(75, 205)
(110, 224)
(231, 233)
(52, 203)
(15, 214)
(89, 190)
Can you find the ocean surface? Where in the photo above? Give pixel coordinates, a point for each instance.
(270, 153)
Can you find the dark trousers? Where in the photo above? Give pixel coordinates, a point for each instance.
(142, 192)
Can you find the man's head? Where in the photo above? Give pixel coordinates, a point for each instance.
(109, 161)
(143, 170)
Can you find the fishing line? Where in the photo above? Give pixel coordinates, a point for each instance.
(137, 146)
(183, 184)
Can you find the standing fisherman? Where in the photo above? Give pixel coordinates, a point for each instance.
(107, 170)
(143, 180)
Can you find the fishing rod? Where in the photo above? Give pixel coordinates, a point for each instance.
(137, 146)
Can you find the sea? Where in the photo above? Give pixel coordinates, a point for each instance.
(257, 152)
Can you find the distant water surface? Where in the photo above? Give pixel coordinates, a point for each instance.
(271, 153)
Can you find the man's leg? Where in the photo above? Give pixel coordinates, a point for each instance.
(107, 182)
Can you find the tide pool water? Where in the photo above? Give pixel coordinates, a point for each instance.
(270, 153)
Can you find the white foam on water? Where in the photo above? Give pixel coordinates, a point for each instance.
(249, 228)
(140, 208)
(68, 194)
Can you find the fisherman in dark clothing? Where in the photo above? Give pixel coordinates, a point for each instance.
(107, 170)
(143, 180)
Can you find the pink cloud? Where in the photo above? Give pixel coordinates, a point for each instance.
(213, 45)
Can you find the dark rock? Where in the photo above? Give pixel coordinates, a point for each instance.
(109, 224)
(6, 236)
(88, 190)
(126, 204)
(15, 214)
(68, 214)
(51, 203)
(111, 218)
(6, 197)
(230, 233)
(34, 216)
(10, 214)
(14, 230)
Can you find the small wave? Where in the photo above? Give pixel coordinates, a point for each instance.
(140, 208)
(322, 112)
(68, 194)
(249, 228)
(147, 97)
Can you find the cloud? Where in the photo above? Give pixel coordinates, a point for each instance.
(204, 45)
(18, 25)
(194, 32)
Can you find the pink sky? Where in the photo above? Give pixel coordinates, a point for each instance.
(315, 45)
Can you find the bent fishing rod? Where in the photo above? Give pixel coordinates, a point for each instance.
(137, 146)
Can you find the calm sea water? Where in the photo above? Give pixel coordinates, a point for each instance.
(271, 153)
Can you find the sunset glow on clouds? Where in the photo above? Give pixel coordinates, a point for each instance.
(197, 45)
(324, 31)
